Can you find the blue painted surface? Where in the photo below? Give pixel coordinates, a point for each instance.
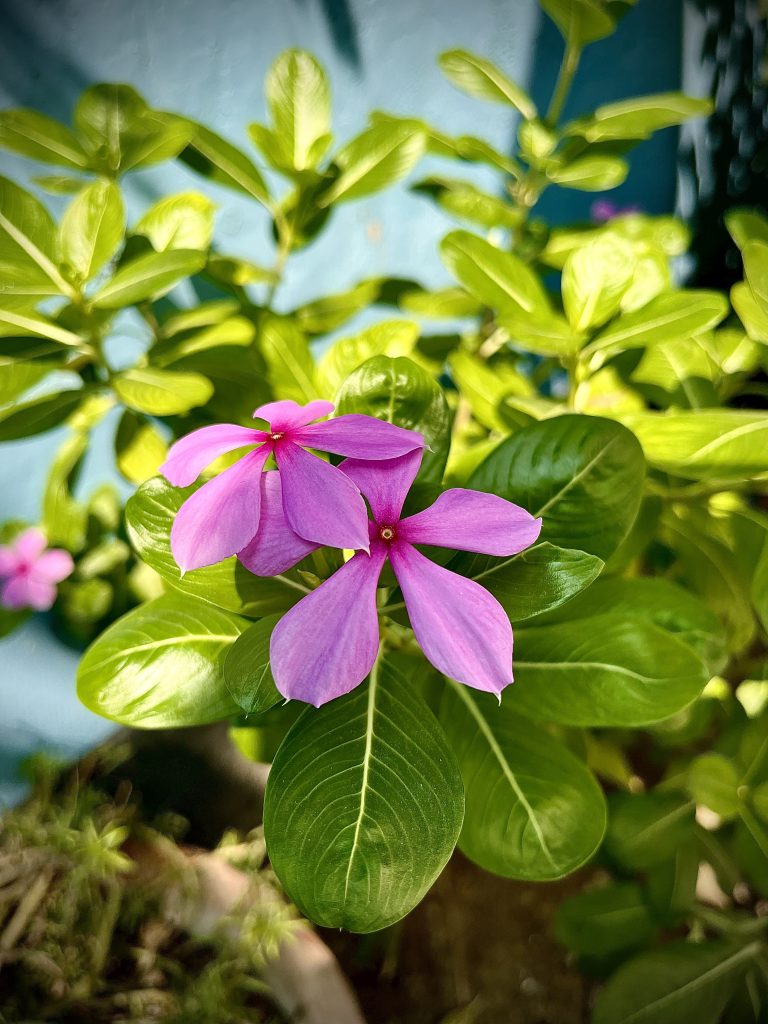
(208, 60)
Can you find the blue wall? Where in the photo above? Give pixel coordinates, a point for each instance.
(208, 60)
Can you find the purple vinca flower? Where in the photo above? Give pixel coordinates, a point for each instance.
(29, 571)
(327, 643)
(322, 505)
(604, 210)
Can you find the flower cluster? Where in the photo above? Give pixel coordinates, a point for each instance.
(29, 572)
(327, 643)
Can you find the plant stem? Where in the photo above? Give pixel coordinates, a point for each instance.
(565, 77)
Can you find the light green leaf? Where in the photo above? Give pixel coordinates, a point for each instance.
(533, 810)
(759, 589)
(37, 415)
(590, 173)
(160, 666)
(595, 278)
(28, 264)
(18, 377)
(639, 117)
(400, 391)
(26, 323)
(580, 21)
(751, 314)
(64, 518)
(485, 387)
(91, 230)
(148, 277)
(482, 79)
(721, 444)
(388, 338)
(747, 225)
(668, 317)
(139, 448)
(681, 982)
(603, 921)
(300, 104)
(755, 256)
(380, 156)
(290, 365)
(465, 200)
(39, 137)
(714, 782)
(609, 670)
(162, 392)
(537, 580)
(247, 672)
(446, 303)
(182, 221)
(221, 162)
(326, 314)
(546, 334)
(149, 515)
(363, 806)
(646, 829)
(583, 475)
(498, 279)
(234, 332)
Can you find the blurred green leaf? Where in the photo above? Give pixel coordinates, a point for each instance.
(181, 221)
(372, 160)
(35, 416)
(161, 392)
(28, 251)
(645, 829)
(714, 782)
(91, 230)
(590, 173)
(221, 162)
(638, 117)
(148, 277)
(607, 920)
(324, 315)
(299, 101)
(290, 365)
(139, 448)
(498, 279)
(595, 278)
(32, 134)
(482, 79)
(388, 338)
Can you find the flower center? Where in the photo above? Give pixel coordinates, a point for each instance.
(386, 533)
(277, 436)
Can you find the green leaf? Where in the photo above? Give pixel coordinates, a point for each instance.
(485, 387)
(639, 117)
(714, 782)
(388, 338)
(300, 104)
(160, 666)
(751, 314)
(463, 199)
(64, 518)
(583, 475)
(669, 317)
(681, 982)
(363, 806)
(498, 279)
(701, 444)
(139, 448)
(580, 21)
(18, 377)
(595, 278)
(533, 810)
(25, 323)
(537, 580)
(546, 334)
(755, 256)
(161, 392)
(91, 230)
(149, 515)
(148, 277)
(446, 303)
(591, 173)
(234, 332)
(482, 79)
(400, 391)
(645, 829)
(608, 670)
(37, 415)
(603, 921)
(221, 162)
(759, 588)
(747, 225)
(247, 672)
(380, 156)
(32, 134)
(182, 221)
(326, 314)
(290, 365)
(27, 245)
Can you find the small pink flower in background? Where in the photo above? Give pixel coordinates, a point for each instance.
(604, 210)
(29, 571)
(327, 643)
(321, 504)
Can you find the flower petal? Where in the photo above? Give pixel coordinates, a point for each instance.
(472, 521)
(222, 517)
(53, 566)
(29, 545)
(360, 437)
(275, 547)
(188, 457)
(385, 483)
(23, 591)
(462, 629)
(326, 644)
(9, 561)
(321, 504)
(287, 415)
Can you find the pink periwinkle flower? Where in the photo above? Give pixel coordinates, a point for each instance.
(321, 504)
(29, 571)
(327, 643)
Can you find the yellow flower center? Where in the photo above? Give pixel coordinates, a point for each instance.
(386, 533)
(277, 436)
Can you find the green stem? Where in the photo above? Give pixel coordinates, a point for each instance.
(568, 68)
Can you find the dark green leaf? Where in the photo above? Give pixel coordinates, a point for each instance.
(602, 921)
(246, 668)
(646, 829)
(37, 415)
